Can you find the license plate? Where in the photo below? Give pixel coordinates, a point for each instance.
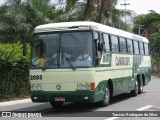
(59, 99)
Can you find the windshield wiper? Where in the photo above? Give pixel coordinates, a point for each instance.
(45, 67)
(68, 61)
(50, 61)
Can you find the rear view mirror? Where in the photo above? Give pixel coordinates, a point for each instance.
(100, 46)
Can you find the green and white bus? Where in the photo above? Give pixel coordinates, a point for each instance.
(115, 62)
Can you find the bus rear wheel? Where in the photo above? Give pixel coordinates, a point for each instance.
(106, 99)
(56, 104)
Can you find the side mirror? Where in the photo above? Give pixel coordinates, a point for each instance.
(100, 46)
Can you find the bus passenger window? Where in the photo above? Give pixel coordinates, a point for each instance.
(146, 49)
(141, 48)
(107, 43)
(115, 46)
(130, 46)
(122, 42)
(136, 48)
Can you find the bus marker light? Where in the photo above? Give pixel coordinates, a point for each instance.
(92, 85)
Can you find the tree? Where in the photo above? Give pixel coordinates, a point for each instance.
(150, 22)
(90, 9)
(102, 11)
(13, 22)
(54, 14)
(18, 18)
(151, 25)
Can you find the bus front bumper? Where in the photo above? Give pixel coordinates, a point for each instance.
(75, 96)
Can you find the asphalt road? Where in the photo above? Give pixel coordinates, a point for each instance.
(148, 101)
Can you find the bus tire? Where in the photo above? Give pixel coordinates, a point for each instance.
(140, 88)
(107, 97)
(56, 104)
(135, 91)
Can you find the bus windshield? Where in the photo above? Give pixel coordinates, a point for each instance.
(62, 50)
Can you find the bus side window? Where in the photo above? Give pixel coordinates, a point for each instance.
(136, 47)
(122, 43)
(141, 48)
(146, 49)
(107, 43)
(115, 46)
(130, 46)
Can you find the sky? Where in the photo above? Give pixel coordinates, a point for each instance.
(139, 6)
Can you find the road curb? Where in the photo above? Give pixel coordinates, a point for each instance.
(15, 102)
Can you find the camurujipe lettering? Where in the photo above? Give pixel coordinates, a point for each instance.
(122, 61)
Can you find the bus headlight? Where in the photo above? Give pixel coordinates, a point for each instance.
(36, 87)
(83, 86)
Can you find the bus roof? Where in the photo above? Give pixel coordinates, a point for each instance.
(86, 25)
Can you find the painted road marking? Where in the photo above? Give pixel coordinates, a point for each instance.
(112, 118)
(145, 107)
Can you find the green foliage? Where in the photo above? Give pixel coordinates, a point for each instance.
(14, 71)
(13, 22)
(14, 79)
(55, 14)
(155, 43)
(155, 50)
(101, 11)
(151, 22)
(13, 52)
(18, 19)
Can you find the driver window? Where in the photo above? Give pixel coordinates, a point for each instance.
(97, 38)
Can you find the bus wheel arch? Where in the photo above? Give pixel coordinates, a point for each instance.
(111, 86)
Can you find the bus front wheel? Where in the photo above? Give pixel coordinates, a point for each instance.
(106, 99)
(135, 91)
(140, 89)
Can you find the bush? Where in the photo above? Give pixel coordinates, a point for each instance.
(14, 71)
(13, 52)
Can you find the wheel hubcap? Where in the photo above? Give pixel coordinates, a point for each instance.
(136, 86)
(107, 95)
(141, 86)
